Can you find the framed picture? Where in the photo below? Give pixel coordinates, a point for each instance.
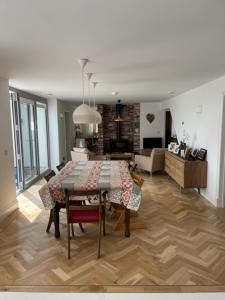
(187, 153)
(176, 149)
(202, 154)
(171, 147)
(194, 153)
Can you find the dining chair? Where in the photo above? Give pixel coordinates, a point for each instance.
(60, 166)
(85, 214)
(47, 177)
(132, 166)
(78, 156)
(119, 208)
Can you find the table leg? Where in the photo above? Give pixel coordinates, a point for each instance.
(56, 220)
(127, 222)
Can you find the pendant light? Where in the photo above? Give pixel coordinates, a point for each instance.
(97, 114)
(83, 114)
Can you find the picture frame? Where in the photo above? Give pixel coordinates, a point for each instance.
(176, 149)
(171, 147)
(194, 153)
(202, 154)
(187, 153)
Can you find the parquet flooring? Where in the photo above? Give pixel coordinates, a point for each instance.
(182, 247)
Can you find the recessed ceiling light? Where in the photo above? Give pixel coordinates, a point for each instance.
(171, 93)
(50, 94)
(115, 93)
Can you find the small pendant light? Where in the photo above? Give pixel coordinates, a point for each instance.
(83, 114)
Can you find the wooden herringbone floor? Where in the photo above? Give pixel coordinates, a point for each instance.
(183, 245)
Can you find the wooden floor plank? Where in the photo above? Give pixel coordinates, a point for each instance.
(181, 249)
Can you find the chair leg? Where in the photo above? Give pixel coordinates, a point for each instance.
(121, 220)
(103, 221)
(72, 229)
(81, 227)
(99, 238)
(50, 221)
(68, 236)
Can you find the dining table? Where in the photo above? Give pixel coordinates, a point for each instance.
(110, 176)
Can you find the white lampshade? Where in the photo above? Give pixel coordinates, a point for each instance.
(83, 114)
(98, 117)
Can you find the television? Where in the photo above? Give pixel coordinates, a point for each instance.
(152, 142)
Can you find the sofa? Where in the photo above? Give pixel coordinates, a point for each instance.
(153, 162)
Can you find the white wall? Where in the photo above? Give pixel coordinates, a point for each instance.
(7, 181)
(53, 132)
(204, 128)
(157, 127)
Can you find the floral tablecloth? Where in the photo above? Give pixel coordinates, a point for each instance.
(111, 176)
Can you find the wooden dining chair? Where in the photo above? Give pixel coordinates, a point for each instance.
(60, 166)
(119, 209)
(47, 177)
(132, 166)
(85, 214)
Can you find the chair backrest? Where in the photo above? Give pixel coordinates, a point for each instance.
(48, 176)
(60, 166)
(98, 157)
(138, 180)
(74, 205)
(78, 156)
(132, 166)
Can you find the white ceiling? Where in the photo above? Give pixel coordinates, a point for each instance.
(141, 48)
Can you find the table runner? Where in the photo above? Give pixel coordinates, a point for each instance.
(111, 176)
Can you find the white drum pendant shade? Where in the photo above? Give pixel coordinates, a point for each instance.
(98, 117)
(84, 115)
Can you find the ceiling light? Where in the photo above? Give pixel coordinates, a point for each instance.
(114, 93)
(97, 114)
(83, 114)
(171, 93)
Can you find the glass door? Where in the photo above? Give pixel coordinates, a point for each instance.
(29, 142)
(30, 139)
(16, 137)
(42, 133)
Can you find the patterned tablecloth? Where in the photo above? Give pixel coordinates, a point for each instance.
(111, 176)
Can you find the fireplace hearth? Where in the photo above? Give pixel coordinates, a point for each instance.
(116, 136)
(120, 145)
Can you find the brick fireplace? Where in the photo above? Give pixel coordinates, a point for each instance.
(119, 137)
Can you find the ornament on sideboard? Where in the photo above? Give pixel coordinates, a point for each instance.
(150, 118)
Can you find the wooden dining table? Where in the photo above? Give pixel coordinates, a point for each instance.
(111, 177)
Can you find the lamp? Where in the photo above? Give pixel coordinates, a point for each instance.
(83, 113)
(98, 117)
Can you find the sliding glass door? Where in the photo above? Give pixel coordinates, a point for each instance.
(42, 132)
(16, 138)
(30, 140)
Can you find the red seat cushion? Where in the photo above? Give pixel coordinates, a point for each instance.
(84, 216)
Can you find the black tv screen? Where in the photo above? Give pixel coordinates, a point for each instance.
(152, 143)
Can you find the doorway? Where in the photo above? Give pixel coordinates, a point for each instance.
(221, 197)
(170, 135)
(68, 136)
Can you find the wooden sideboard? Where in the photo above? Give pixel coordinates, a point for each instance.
(188, 174)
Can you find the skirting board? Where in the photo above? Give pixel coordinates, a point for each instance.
(8, 211)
